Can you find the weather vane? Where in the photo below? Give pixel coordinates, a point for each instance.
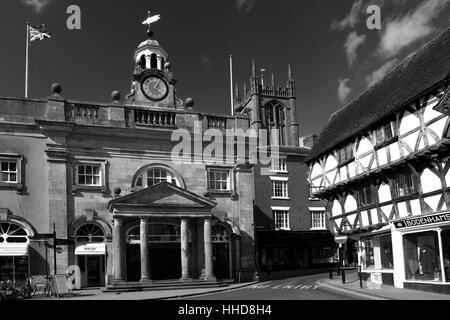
(151, 19)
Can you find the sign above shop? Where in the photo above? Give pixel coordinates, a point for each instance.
(13, 249)
(422, 221)
(90, 249)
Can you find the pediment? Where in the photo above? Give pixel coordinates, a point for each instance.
(163, 195)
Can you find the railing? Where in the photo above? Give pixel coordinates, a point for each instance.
(83, 111)
(154, 118)
(279, 92)
(217, 122)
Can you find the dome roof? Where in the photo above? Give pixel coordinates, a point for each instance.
(149, 42)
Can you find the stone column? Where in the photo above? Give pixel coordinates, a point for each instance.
(159, 61)
(144, 249)
(184, 249)
(117, 249)
(209, 267)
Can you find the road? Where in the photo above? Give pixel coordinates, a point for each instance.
(299, 288)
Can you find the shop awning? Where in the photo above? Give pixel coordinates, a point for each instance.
(13, 249)
(89, 249)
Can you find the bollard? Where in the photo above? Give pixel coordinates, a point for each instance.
(360, 277)
(343, 276)
(339, 270)
(330, 272)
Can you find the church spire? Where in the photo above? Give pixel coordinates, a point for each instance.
(289, 73)
(253, 69)
(273, 80)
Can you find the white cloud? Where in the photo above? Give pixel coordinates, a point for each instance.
(352, 19)
(379, 74)
(245, 5)
(344, 90)
(353, 42)
(37, 5)
(415, 25)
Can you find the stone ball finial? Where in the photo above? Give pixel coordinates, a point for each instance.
(238, 107)
(189, 102)
(117, 191)
(167, 65)
(115, 96)
(56, 88)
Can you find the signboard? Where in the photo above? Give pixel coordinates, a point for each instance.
(90, 249)
(422, 221)
(341, 239)
(59, 285)
(13, 249)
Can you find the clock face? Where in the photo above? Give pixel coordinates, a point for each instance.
(155, 88)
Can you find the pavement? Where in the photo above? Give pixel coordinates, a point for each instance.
(375, 291)
(351, 287)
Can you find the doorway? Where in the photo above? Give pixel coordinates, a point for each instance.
(92, 270)
(221, 256)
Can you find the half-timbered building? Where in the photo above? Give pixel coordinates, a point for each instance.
(383, 164)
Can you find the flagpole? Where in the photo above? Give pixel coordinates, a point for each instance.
(26, 57)
(231, 84)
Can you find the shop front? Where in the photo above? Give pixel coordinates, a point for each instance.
(422, 252)
(14, 257)
(375, 256)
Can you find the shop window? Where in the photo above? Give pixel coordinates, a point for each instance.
(368, 258)
(219, 180)
(387, 258)
(446, 253)
(422, 257)
(403, 185)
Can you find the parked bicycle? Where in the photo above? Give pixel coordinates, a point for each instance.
(11, 290)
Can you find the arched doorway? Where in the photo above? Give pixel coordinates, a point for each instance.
(90, 251)
(164, 251)
(221, 239)
(14, 260)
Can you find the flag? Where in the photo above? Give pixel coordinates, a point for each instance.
(39, 33)
(151, 20)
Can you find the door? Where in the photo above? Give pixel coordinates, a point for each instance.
(165, 261)
(221, 255)
(94, 267)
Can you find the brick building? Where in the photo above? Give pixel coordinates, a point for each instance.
(291, 227)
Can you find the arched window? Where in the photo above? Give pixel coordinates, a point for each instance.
(142, 62)
(274, 119)
(154, 175)
(220, 233)
(153, 61)
(89, 233)
(12, 233)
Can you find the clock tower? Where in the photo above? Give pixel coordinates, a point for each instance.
(153, 83)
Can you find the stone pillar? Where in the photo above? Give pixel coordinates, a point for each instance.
(144, 250)
(184, 249)
(117, 249)
(159, 61)
(209, 267)
(148, 61)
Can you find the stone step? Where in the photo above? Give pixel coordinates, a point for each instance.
(167, 285)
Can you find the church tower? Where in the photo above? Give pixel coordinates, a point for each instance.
(153, 83)
(271, 107)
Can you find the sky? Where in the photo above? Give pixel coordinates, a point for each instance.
(333, 54)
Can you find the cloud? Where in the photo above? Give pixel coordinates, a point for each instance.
(405, 30)
(206, 62)
(351, 20)
(245, 5)
(37, 5)
(379, 74)
(344, 90)
(353, 42)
